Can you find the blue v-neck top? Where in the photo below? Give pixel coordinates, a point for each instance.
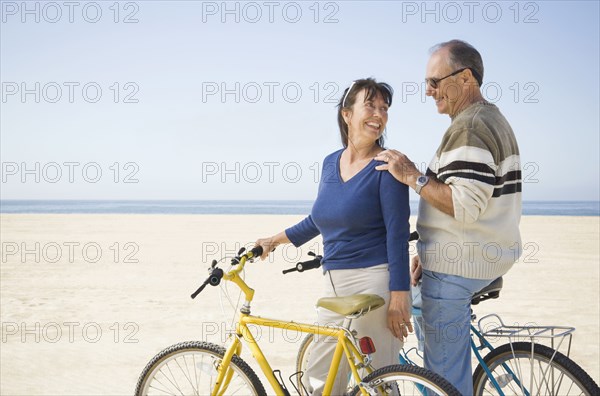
(363, 221)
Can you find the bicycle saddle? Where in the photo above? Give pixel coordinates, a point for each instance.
(351, 305)
(490, 291)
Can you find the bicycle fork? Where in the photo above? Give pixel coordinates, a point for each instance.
(225, 372)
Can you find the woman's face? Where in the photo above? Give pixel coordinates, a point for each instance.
(367, 119)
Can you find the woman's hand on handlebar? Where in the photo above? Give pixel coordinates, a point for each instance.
(269, 244)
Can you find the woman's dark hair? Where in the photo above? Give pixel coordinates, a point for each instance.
(373, 88)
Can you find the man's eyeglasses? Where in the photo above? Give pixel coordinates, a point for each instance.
(433, 82)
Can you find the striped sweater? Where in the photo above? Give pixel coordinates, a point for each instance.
(479, 159)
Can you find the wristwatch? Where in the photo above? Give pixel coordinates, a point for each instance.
(421, 182)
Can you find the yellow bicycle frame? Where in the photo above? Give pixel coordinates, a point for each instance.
(344, 345)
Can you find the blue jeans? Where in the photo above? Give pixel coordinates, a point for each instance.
(447, 317)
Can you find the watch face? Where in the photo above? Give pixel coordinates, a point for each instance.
(422, 179)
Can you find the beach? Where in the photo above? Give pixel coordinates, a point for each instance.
(88, 299)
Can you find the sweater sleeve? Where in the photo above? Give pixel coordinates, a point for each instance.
(469, 170)
(396, 212)
(302, 232)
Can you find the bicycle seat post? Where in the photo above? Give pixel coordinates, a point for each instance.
(347, 323)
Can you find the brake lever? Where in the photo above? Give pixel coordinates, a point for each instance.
(216, 274)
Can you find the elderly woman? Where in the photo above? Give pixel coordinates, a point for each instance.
(362, 215)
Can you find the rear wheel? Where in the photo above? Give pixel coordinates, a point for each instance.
(519, 372)
(302, 362)
(397, 379)
(302, 365)
(191, 368)
(400, 379)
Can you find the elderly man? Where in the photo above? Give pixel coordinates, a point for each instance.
(469, 210)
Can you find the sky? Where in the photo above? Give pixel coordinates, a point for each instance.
(197, 100)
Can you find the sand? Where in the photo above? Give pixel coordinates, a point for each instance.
(95, 297)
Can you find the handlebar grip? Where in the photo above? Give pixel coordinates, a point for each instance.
(312, 264)
(305, 266)
(199, 289)
(257, 251)
(215, 277)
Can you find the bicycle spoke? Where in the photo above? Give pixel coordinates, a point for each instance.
(529, 370)
(519, 374)
(160, 390)
(196, 373)
(174, 379)
(516, 386)
(183, 372)
(549, 384)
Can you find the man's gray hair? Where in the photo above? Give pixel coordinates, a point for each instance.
(462, 54)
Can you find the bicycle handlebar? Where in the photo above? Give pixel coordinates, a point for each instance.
(305, 265)
(216, 274)
(316, 262)
(256, 251)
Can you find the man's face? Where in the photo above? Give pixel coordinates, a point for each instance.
(447, 92)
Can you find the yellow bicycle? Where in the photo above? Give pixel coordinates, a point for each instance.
(202, 368)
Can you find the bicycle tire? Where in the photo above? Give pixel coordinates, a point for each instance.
(164, 374)
(401, 379)
(566, 376)
(302, 361)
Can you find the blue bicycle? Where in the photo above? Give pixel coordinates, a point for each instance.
(522, 366)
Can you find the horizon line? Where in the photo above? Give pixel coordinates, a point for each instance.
(238, 200)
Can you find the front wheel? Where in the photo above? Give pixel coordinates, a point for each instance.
(518, 371)
(399, 379)
(191, 368)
